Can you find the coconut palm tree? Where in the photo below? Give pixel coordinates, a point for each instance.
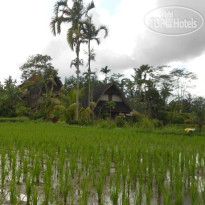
(91, 34)
(105, 70)
(64, 14)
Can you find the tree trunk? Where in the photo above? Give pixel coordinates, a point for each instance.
(89, 73)
(77, 89)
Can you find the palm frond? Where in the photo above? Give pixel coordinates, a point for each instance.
(70, 38)
(89, 7)
(102, 28)
(61, 3)
(97, 40)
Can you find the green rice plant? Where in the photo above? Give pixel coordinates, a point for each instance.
(178, 193)
(25, 169)
(139, 193)
(194, 192)
(18, 174)
(48, 182)
(149, 191)
(115, 196)
(14, 166)
(115, 191)
(3, 170)
(34, 196)
(99, 184)
(85, 187)
(37, 170)
(167, 195)
(13, 193)
(202, 189)
(66, 187)
(28, 190)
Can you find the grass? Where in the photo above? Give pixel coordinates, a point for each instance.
(62, 164)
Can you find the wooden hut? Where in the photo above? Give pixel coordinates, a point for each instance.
(108, 93)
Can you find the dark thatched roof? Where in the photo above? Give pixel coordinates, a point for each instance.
(110, 88)
(34, 79)
(34, 89)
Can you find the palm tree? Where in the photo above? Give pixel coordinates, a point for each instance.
(90, 33)
(64, 14)
(105, 70)
(140, 78)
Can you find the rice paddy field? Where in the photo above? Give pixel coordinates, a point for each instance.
(43, 163)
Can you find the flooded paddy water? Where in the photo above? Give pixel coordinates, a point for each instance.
(58, 165)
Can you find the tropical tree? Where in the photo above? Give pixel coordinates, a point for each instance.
(199, 110)
(91, 34)
(141, 78)
(105, 70)
(40, 78)
(64, 14)
(128, 87)
(181, 79)
(38, 64)
(9, 97)
(116, 78)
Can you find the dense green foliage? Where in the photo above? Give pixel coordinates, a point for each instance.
(61, 164)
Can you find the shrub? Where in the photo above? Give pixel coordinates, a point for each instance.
(146, 124)
(135, 118)
(178, 119)
(35, 116)
(86, 114)
(16, 119)
(163, 116)
(106, 124)
(157, 123)
(23, 111)
(188, 121)
(58, 113)
(120, 121)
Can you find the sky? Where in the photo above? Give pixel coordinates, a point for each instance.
(25, 31)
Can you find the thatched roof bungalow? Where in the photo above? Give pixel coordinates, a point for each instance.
(105, 93)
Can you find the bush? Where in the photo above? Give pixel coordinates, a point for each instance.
(34, 116)
(163, 116)
(178, 119)
(106, 124)
(157, 123)
(23, 111)
(86, 114)
(146, 124)
(58, 113)
(16, 119)
(135, 118)
(120, 121)
(188, 121)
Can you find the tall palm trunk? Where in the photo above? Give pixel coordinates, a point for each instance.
(105, 78)
(77, 72)
(89, 73)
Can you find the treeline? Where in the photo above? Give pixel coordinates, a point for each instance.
(151, 91)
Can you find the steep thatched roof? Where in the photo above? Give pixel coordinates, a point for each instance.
(110, 88)
(33, 89)
(34, 78)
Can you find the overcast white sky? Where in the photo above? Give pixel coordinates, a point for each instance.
(25, 31)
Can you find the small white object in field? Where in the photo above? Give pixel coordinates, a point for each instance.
(190, 129)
